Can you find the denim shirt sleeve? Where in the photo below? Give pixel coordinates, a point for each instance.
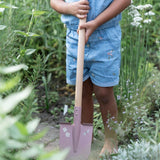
(96, 7)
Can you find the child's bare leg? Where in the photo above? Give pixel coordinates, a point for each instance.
(87, 102)
(108, 107)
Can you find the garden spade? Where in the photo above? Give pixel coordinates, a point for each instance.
(77, 137)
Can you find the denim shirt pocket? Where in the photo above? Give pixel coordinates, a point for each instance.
(111, 35)
(114, 33)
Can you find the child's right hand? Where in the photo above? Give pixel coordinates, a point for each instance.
(79, 8)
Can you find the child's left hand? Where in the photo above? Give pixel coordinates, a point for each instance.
(90, 27)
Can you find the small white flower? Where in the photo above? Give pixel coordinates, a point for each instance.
(137, 19)
(147, 21)
(157, 41)
(134, 13)
(146, 6)
(2, 10)
(150, 13)
(118, 97)
(122, 49)
(136, 24)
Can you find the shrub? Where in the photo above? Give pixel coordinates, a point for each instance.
(140, 150)
(17, 140)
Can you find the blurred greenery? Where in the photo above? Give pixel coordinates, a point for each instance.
(17, 139)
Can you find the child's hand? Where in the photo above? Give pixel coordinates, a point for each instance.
(79, 8)
(90, 27)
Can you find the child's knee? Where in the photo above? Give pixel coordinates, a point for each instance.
(104, 96)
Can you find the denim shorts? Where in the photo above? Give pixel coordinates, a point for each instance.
(102, 57)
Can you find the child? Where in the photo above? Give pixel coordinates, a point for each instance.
(102, 56)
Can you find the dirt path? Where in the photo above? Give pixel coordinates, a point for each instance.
(51, 140)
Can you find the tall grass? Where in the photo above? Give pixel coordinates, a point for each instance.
(136, 46)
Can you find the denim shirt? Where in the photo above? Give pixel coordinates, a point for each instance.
(96, 7)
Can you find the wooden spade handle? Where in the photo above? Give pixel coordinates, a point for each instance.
(80, 64)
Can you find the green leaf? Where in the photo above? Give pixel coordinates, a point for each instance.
(21, 33)
(28, 153)
(5, 123)
(22, 128)
(14, 144)
(159, 137)
(9, 103)
(38, 13)
(54, 155)
(32, 125)
(2, 5)
(13, 69)
(39, 135)
(15, 132)
(34, 12)
(2, 27)
(9, 84)
(30, 34)
(30, 51)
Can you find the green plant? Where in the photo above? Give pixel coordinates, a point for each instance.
(151, 91)
(140, 150)
(97, 121)
(33, 34)
(50, 96)
(139, 44)
(17, 140)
